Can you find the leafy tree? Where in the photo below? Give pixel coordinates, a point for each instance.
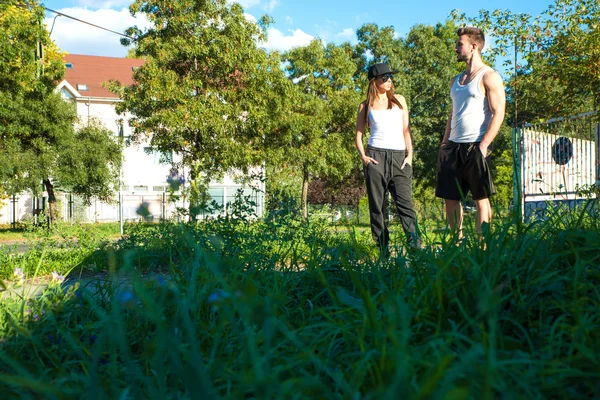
(90, 162)
(206, 91)
(29, 60)
(42, 145)
(558, 71)
(38, 142)
(316, 131)
(571, 43)
(538, 93)
(35, 124)
(377, 44)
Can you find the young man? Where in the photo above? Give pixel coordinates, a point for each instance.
(478, 102)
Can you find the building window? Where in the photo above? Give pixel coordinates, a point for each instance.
(66, 94)
(141, 188)
(82, 86)
(69, 65)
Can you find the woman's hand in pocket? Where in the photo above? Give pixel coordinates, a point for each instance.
(368, 160)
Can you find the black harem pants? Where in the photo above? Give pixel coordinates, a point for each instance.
(387, 176)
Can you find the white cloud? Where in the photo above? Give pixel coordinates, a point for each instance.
(248, 3)
(79, 38)
(347, 34)
(271, 5)
(250, 18)
(289, 20)
(327, 32)
(299, 79)
(103, 4)
(279, 41)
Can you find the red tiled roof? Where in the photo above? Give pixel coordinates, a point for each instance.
(93, 71)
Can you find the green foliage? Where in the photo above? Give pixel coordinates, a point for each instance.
(503, 180)
(320, 101)
(89, 164)
(381, 43)
(282, 184)
(275, 308)
(30, 114)
(26, 51)
(40, 143)
(573, 46)
(206, 92)
(38, 140)
(558, 70)
(38, 125)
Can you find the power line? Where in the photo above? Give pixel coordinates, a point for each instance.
(79, 20)
(88, 23)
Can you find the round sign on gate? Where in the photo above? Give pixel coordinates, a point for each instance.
(562, 150)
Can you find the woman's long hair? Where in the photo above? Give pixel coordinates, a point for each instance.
(372, 95)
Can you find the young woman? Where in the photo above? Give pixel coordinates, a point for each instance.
(388, 159)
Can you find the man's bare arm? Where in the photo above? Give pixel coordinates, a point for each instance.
(494, 89)
(449, 122)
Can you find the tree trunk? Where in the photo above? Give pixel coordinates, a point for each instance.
(193, 193)
(51, 201)
(305, 192)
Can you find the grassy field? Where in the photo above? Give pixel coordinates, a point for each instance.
(279, 309)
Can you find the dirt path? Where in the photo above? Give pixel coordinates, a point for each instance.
(91, 283)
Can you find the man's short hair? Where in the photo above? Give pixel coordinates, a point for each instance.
(475, 35)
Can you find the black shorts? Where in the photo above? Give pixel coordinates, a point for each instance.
(461, 167)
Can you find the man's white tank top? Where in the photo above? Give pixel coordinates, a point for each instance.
(471, 113)
(387, 129)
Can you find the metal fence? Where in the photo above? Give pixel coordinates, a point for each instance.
(150, 207)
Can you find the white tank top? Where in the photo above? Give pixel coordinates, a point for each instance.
(387, 129)
(471, 113)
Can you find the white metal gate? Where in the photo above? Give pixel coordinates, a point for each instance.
(556, 162)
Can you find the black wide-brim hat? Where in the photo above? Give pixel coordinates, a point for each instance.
(376, 70)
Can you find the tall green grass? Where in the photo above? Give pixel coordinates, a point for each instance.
(280, 309)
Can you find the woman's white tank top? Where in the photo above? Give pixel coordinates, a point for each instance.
(471, 114)
(387, 128)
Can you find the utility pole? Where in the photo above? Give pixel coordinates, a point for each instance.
(121, 136)
(39, 57)
(516, 97)
(516, 145)
(39, 70)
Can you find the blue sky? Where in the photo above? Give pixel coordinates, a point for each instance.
(296, 21)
